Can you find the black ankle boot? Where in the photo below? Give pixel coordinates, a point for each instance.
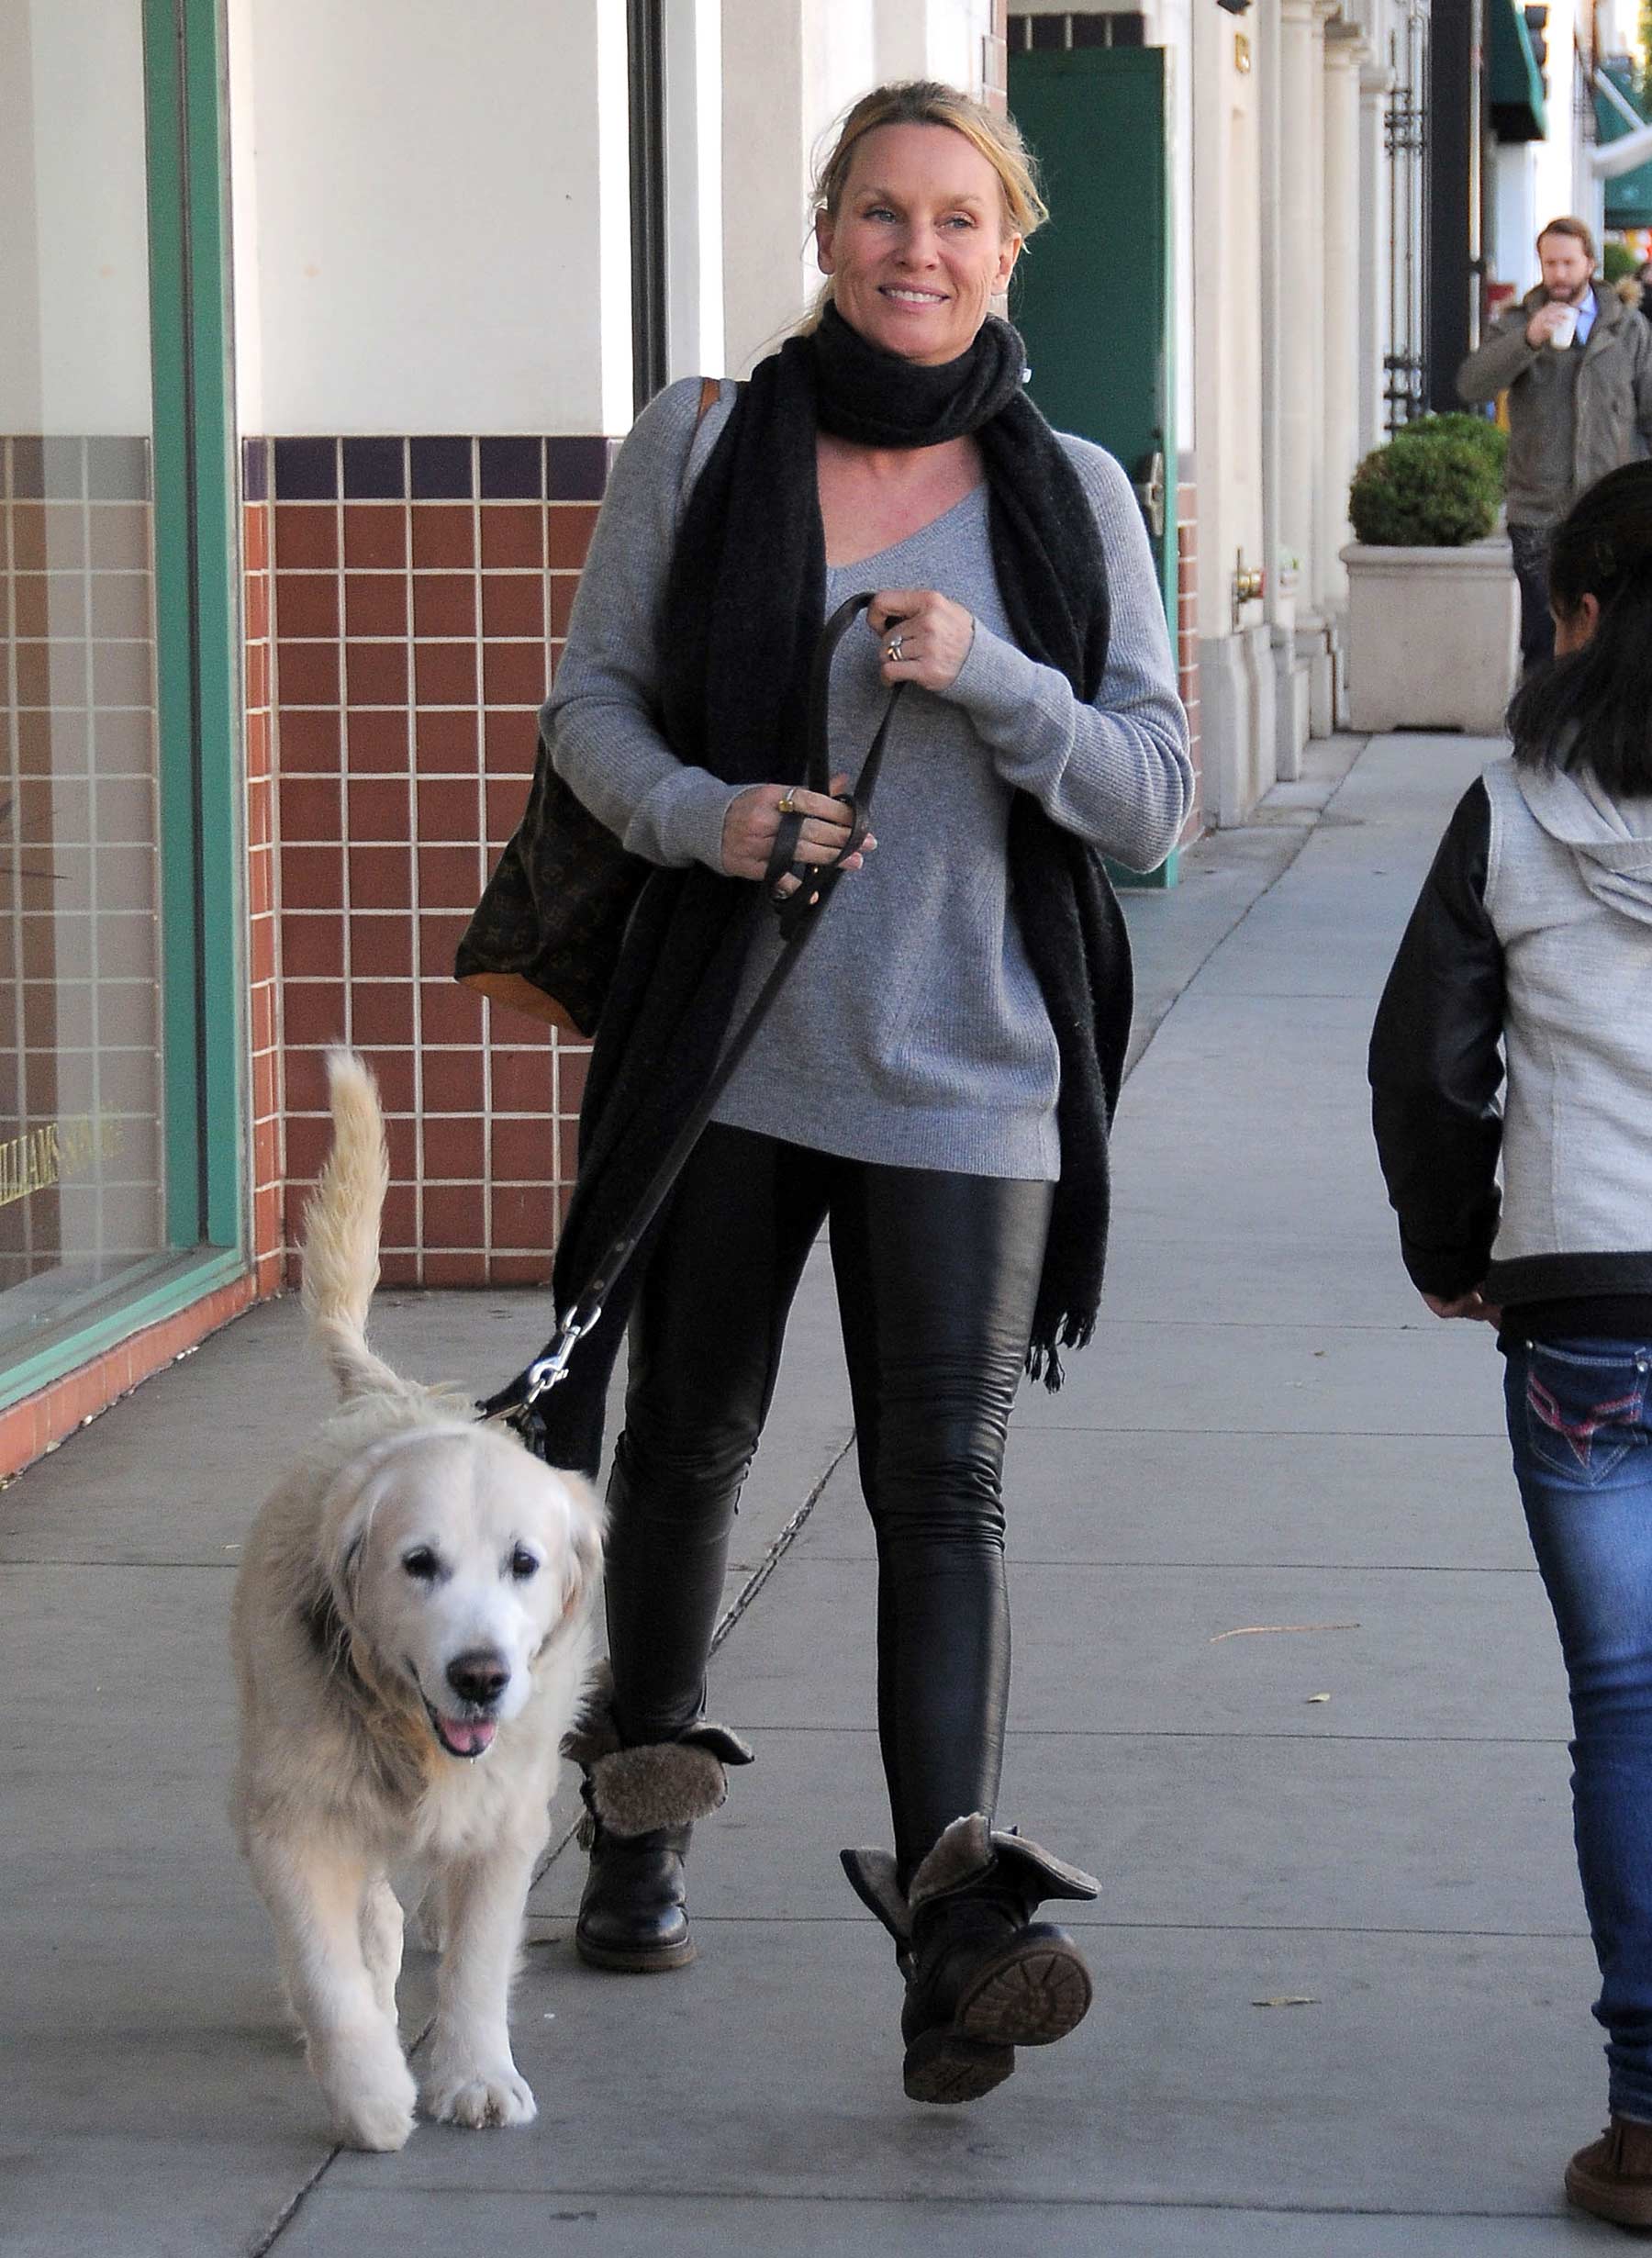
(633, 1915)
(982, 1976)
(640, 1804)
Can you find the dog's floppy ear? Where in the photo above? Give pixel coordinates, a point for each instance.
(585, 1545)
(346, 1520)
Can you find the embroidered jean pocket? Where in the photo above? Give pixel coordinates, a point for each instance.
(1585, 1413)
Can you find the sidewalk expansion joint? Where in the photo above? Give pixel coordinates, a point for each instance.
(1168, 1732)
(778, 1549)
(1245, 1568)
(1093, 1923)
(267, 2243)
(748, 1592)
(824, 2197)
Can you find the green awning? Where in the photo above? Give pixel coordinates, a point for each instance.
(1629, 196)
(1519, 104)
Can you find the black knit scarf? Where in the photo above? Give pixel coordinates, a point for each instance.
(744, 603)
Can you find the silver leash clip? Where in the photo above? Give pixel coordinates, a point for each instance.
(546, 1370)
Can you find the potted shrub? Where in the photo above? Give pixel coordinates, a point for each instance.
(1434, 613)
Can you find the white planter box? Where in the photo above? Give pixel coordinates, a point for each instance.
(1433, 637)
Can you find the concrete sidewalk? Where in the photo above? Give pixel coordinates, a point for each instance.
(1368, 1815)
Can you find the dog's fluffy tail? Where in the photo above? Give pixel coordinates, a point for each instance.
(341, 1232)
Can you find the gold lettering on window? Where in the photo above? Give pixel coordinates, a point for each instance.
(55, 1151)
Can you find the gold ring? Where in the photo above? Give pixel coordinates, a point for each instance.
(892, 649)
(785, 804)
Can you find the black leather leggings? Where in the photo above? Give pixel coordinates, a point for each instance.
(937, 1276)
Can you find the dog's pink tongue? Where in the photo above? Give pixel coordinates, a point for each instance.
(466, 1738)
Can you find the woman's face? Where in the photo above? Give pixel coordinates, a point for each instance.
(919, 244)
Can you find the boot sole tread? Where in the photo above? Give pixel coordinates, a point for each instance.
(1031, 1996)
(943, 2067)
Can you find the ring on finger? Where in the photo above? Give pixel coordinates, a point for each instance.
(787, 804)
(892, 649)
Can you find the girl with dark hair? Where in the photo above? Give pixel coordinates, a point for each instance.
(1528, 959)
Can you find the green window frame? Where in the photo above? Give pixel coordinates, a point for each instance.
(198, 658)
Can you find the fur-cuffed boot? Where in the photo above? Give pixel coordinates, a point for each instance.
(982, 1976)
(641, 1805)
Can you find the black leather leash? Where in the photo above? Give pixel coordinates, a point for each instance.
(798, 912)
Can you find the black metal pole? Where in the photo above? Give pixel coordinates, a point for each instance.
(1453, 257)
(646, 74)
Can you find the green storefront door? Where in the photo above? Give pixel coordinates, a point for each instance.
(1092, 293)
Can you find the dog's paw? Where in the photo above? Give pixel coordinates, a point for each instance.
(479, 2097)
(372, 2108)
(380, 2122)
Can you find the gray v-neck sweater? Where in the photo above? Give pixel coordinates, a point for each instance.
(912, 1032)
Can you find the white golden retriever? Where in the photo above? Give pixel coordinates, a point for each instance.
(411, 1634)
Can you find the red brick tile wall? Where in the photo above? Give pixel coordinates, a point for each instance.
(269, 1141)
(1187, 636)
(415, 635)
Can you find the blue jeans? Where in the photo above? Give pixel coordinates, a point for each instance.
(1582, 1446)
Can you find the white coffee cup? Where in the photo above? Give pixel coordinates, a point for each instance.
(1564, 330)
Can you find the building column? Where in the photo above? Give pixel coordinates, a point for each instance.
(768, 268)
(1376, 85)
(1305, 686)
(1344, 235)
(1302, 259)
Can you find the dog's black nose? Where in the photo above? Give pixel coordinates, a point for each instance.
(480, 1676)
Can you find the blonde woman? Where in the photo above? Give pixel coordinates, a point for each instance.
(935, 1084)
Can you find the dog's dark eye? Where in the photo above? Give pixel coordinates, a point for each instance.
(524, 1564)
(422, 1563)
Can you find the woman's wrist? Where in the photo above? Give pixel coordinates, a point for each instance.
(681, 820)
(992, 679)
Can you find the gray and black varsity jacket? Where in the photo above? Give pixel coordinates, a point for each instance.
(1527, 961)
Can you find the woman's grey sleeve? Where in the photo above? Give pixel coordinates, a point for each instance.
(600, 720)
(1117, 773)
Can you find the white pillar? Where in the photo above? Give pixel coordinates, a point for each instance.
(1344, 51)
(1306, 688)
(381, 306)
(1376, 85)
(694, 274)
(767, 266)
(1303, 260)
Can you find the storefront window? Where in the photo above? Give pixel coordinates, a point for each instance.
(83, 1075)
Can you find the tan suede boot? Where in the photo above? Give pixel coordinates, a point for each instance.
(1613, 2177)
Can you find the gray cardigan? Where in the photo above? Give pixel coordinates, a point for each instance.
(913, 1032)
